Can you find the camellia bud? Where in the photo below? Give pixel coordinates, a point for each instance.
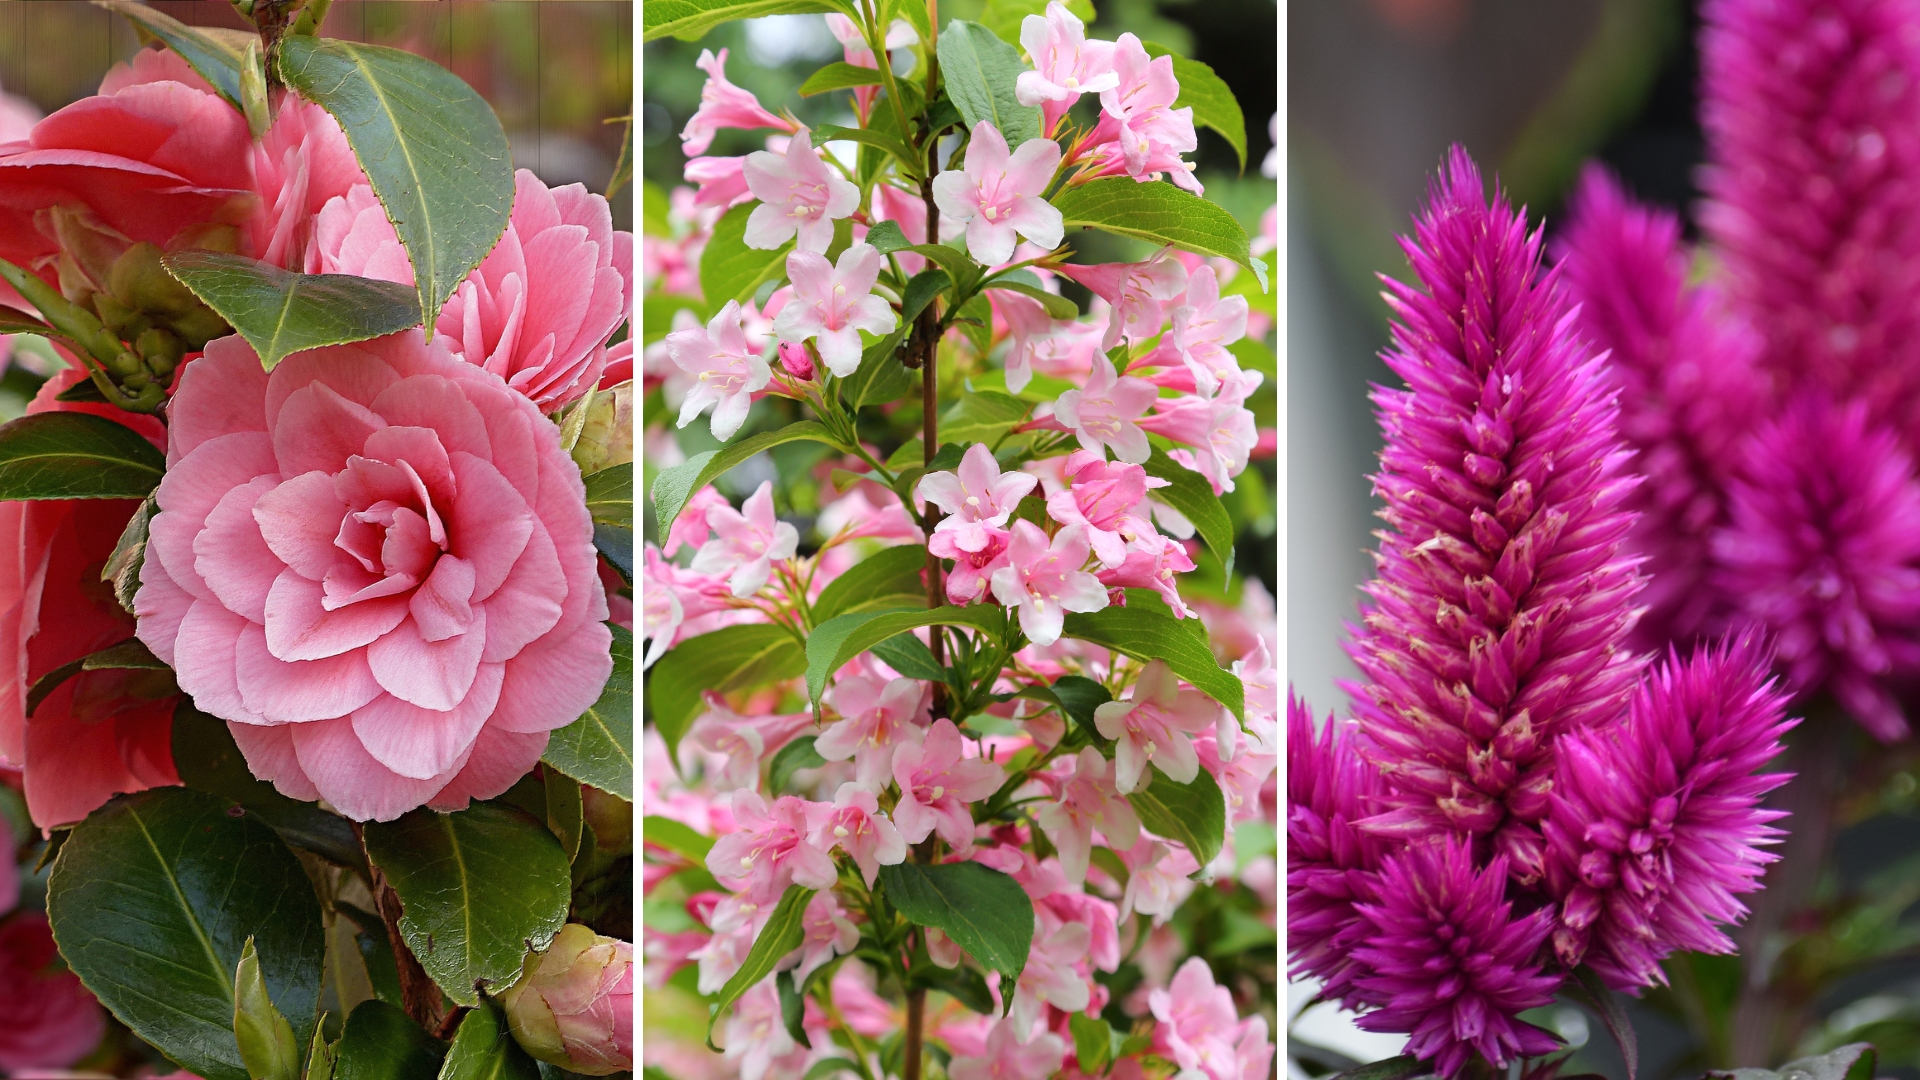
(573, 1005)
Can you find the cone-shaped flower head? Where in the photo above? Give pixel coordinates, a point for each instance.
(1329, 862)
(1689, 389)
(1823, 549)
(1656, 821)
(1502, 597)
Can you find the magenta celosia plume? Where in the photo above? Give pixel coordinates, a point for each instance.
(1330, 862)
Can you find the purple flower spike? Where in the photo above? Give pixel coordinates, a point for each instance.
(1448, 963)
(1823, 549)
(1329, 861)
(1812, 114)
(1689, 385)
(1502, 599)
(1656, 822)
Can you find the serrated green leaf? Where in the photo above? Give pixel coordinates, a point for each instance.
(983, 910)
(381, 1043)
(688, 20)
(729, 269)
(839, 76)
(840, 639)
(674, 486)
(597, 749)
(1146, 635)
(887, 238)
(889, 578)
(1211, 100)
(730, 658)
(782, 934)
(979, 70)
(214, 56)
(1195, 814)
(73, 455)
(1190, 493)
(280, 313)
(1156, 212)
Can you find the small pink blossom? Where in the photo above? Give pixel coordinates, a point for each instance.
(1151, 727)
(854, 515)
(997, 195)
(768, 849)
(874, 722)
(723, 105)
(1152, 563)
(978, 500)
(1028, 326)
(1088, 800)
(1219, 430)
(936, 784)
(854, 46)
(1104, 500)
(746, 543)
(973, 571)
(1007, 1058)
(691, 527)
(744, 740)
(1066, 64)
(855, 824)
(1052, 975)
(1204, 324)
(722, 181)
(1139, 113)
(828, 934)
(1105, 414)
(1137, 294)
(1044, 580)
(757, 1036)
(727, 368)
(798, 194)
(795, 361)
(1240, 774)
(832, 303)
(1198, 1028)
(1157, 882)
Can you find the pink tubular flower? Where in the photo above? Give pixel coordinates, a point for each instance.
(1448, 963)
(1198, 1027)
(1044, 580)
(1152, 726)
(745, 740)
(875, 721)
(1005, 1057)
(1105, 414)
(977, 500)
(1204, 324)
(691, 526)
(1138, 114)
(1137, 294)
(769, 850)
(1153, 564)
(1219, 431)
(573, 1004)
(827, 934)
(1689, 390)
(1656, 820)
(51, 1020)
(972, 573)
(833, 302)
(1104, 500)
(1066, 64)
(1088, 800)
(854, 823)
(798, 194)
(1823, 548)
(1051, 975)
(729, 370)
(376, 562)
(1502, 599)
(746, 542)
(936, 784)
(722, 181)
(998, 196)
(1157, 882)
(723, 105)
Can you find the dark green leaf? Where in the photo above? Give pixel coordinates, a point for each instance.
(129, 553)
(1855, 1061)
(729, 269)
(72, 455)
(875, 138)
(1092, 1043)
(839, 76)
(886, 236)
(1079, 697)
(1394, 1068)
(1191, 494)
(730, 658)
(982, 416)
(214, 56)
(566, 813)
(920, 292)
(793, 1008)
(478, 888)
(152, 901)
(280, 312)
(983, 910)
(597, 749)
(881, 376)
(782, 934)
(975, 320)
(483, 1049)
(1058, 307)
(1158, 213)
(1195, 814)
(615, 544)
(689, 19)
(796, 755)
(207, 760)
(1212, 101)
(432, 148)
(380, 1043)
(610, 495)
(1145, 635)
(1596, 995)
(889, 578)
(955, 262)
(910, 656)
(980, 70)
(674, 486)
(962, 984)
(840, 639)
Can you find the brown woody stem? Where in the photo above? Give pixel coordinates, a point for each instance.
(418, 993)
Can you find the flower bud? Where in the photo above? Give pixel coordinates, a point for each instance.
(794, 358)
(573, 1005)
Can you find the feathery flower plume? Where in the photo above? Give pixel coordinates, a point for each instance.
(1689, 386)
(1329, 861)
(1502, 599)
(1656, 820)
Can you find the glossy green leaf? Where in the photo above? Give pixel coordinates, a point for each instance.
(1191, 494)
(479, 887)
(1079, 697)
(730, 658)
(886, 236)
(796, 755)
(984, 911)
(958, 264)
(597, 749)
(122, 570)
(1394, 1068)
(1145, 635)
(1092, 1043)
(1058, 307)
(207, 759)
(793, 1008)
(689, 19)
(839, 76)
(729, 269)
(1004, 17)
(381, 1043)
(615, 544)
(674, 836)
(874, 137)
(213, 55)
(982, 416)
(921, 291)
(566, 811)
(782, 934)
(979, 70)
(674, 486)
(1210, 98)
(962, 984)
(1157, 212)
(1194, 813)
(280, 313)
(484, 1049)
(881, 376)
(610, 495)
(152, 900)
(911, 657)
(72, 455)
(840, 639)
(431, 146)
(890, 578)
(266, 1039)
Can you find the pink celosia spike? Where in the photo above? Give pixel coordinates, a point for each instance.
(1329, 862)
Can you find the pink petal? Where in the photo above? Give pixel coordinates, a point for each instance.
(204, 660)
(551, 683)
(356, 372)
(440, 404)
(420, 448)
(490, 522)
(298, 626)
(305, 690)
(500, 759)
(231, 557)
(270, 756)
(348, 777)
(527, 607)
(160, 605)
(439, 606)
(434, 675)
(319, 429)
(298, 521)
(228, 387)
(422, 743)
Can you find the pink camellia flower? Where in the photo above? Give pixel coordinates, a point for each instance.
(1105, 414)
(1044, 580)
(998, 196)
(746, 542)
(1204, 324)
(100, 733)
(729, 370)
(376, 563)
(303, 162)
(1088, 800)
(833, 302)
(1138, 111)
(723, 105)
(854, 823)
(1103, 500)
(936, 784)
(1005, 1057)
(978, 499)
(1219, 431)
(769, 849)
(973, 571)
(573, 1004)
(722, 181)
(1137, 294)
(1152, 726)
(798, 194)
(1066, 64)
(828, 934)
(1198, 1027)
(874, 722)
(1051, 976)
(51, 1021)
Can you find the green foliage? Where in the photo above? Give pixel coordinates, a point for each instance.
(483, 1049)
(690, 19)
(280, 313)
(70, 455)
(782, 934)
(983, 910)
(1212, 102)
(1190, 493)
(207, 759)
(1158, 213)
(730, 658)
(380, 1043)
(1147, 635)
(266, 1039)
(729, 269)
(597, 749)
(840, 639)
(839, 76)
(213, 54)
(674, 486)
(979, 70)
(1193, 813)
(890, 578)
